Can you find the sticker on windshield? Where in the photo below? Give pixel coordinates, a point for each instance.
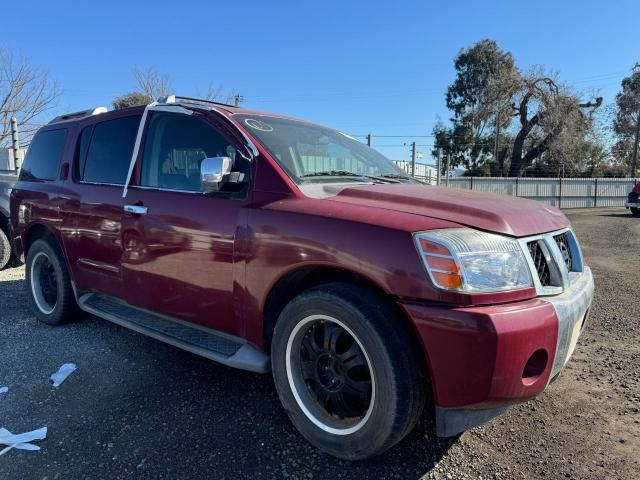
(258, 125)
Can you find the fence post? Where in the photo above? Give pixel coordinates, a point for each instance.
(413, 159)
(595, 192)
(516, 186)
(560, 194)
(471, 185)
(438, 155)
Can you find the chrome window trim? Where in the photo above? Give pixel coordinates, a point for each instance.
(163, 189)
(84, 182)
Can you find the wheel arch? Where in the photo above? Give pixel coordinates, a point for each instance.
(295, 281)
(38, 231)
(4, 221)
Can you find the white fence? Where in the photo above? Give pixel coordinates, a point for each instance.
(559, 192)
(424, 172)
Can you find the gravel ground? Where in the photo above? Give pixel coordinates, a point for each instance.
(137, 408)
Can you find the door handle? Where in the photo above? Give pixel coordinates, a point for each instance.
(136, 209)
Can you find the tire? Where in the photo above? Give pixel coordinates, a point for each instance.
(635, 212)
(48, 284)
(325, 390)
(5, 249)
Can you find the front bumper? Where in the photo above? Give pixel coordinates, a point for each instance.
(632, 205)
(483, 359)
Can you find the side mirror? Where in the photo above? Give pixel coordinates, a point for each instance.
(213, 171)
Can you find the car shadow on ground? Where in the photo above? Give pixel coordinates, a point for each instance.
(237, 419)
(621, 214)
(138, 405)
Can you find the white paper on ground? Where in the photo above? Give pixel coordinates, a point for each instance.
(61, 375)
(4, 389)
(21, 441)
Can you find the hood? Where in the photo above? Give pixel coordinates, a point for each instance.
(503, 214)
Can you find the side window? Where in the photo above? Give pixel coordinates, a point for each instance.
(175, 146)
(44, 156)
(109, 152)
(82, 149)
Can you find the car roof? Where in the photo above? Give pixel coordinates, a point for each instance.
(101, 113)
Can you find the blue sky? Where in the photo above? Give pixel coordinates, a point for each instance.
(360, 66)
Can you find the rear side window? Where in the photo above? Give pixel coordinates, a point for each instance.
(109, 153)
(44, 155)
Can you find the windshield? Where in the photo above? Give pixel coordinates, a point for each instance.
(310, 153)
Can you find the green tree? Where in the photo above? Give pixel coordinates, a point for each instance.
(506, 122)
(484, 73)
(131, 99)
(626, 123)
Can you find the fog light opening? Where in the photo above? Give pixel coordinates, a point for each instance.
(534, 367)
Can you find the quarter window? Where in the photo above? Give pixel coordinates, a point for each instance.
(44, 156)
(109, 153)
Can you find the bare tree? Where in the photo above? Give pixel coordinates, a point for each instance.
(25, 93)
(547, 112)
(212, 93)
(151, 83)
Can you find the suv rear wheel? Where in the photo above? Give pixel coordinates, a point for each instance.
(347, 371)
(5, 249)
(48, 284)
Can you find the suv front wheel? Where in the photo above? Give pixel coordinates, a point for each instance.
(48, 284)
(347, 371)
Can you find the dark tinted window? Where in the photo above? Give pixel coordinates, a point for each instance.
(44, 155)
(176, 145)
(83, 148)
(110, 151)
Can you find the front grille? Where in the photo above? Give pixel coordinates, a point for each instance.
(562, 241)
(540, 262)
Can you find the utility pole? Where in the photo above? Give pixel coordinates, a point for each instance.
(495, 147)
(413, 159)
(634, 161)
(369, 139)
(446, 169)
(15, 141)
(237, 99)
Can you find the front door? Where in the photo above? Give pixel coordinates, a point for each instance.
(179, 242)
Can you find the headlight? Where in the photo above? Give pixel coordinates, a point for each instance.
(468, 260)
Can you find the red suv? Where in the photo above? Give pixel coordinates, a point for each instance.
(275, 245)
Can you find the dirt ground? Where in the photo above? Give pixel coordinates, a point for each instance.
(137, 408)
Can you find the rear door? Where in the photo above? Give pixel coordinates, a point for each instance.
(102, 161)
(179, 243)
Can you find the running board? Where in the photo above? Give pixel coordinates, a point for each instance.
(221, 347)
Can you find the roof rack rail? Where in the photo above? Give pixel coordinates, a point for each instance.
(80, 114)
(179, 98)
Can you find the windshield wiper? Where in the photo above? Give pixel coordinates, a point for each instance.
(332, 173)
(400, 177)
(393, 175)
(345, 173)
